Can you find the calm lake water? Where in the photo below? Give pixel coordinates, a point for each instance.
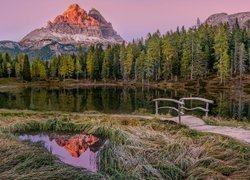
(79, 150)
(235, 104)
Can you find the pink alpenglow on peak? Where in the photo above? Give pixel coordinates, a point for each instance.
(76, 27)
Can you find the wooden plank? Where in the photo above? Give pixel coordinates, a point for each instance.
(198, 99)
(170, 100)
(173, 108)
(196, 108)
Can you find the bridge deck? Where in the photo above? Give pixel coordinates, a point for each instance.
(198, 124)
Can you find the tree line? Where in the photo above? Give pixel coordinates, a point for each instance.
(196, 53)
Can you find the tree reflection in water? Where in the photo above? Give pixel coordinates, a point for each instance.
(228, 104)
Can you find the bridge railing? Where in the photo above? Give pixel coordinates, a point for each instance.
(180, 104)
(206, 101)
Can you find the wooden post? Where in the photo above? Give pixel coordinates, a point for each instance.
(156, 107)
(179, 113)
(207, 109)
(182, 106)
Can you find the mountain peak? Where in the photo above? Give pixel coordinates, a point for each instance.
(74, 7)
(75, 16)
(74, 27)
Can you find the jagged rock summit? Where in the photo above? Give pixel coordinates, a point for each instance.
(76, 27)
(243, 19)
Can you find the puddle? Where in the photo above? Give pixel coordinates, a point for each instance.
(79, 150)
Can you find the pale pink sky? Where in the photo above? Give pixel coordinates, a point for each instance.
(130, 18)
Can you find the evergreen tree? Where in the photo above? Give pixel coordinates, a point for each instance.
(186, 61)
(221, 53)
(63, 68)
(170, 56)
(117, 63)
(6, 65)
(154, 56)
(141, 66)
(78, 67)
(54, 67)
(18, 70)
(107, 64)
(81, 56)
(1, 64)
(91, 62)
(123, 58)
(70, 66)
(242, 58)
(42, 72)
(26, 69)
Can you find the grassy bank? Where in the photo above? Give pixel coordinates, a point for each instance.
(137, 149)
(217, 121)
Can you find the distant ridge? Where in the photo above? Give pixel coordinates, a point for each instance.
(243, 19)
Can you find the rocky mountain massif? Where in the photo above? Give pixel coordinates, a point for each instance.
(223, 18)
(74, 28)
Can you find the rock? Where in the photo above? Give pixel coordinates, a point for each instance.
(106, 28)
(243, 19)
(74, 28)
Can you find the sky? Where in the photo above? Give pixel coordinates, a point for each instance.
(130, 18)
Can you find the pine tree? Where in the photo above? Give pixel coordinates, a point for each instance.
(242, 58)
(128, 62)
(82, 59)
(78, 67)
(1, 64)
(199, 61)
(54, 67)
(70, 66)
(123, 58)
(17, 69)
(117, 62)
(90, 62)
(221, 49)
(9, 68)
(35, 68)
(170, 56)
(141, 66)
(63, 68)
(186, 61)
(154, 56)
(6, 65)
(26, 69)
(107, 64)
(42, 72)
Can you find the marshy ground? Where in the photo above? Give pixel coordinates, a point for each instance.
(138, 149)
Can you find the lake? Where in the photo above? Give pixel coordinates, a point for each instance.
(228, 104)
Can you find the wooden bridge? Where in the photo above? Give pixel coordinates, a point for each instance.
(181, 105)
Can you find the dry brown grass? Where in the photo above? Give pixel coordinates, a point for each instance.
(137, 149)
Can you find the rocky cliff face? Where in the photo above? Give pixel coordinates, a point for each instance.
(222, 18)
(74, 28)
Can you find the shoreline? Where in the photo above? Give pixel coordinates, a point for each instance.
(6, 83)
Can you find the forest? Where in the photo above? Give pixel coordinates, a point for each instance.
(197, 53)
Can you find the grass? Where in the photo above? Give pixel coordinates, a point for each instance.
(216, 121)
(137, 149)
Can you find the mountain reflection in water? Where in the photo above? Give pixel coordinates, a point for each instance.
(79, 150)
